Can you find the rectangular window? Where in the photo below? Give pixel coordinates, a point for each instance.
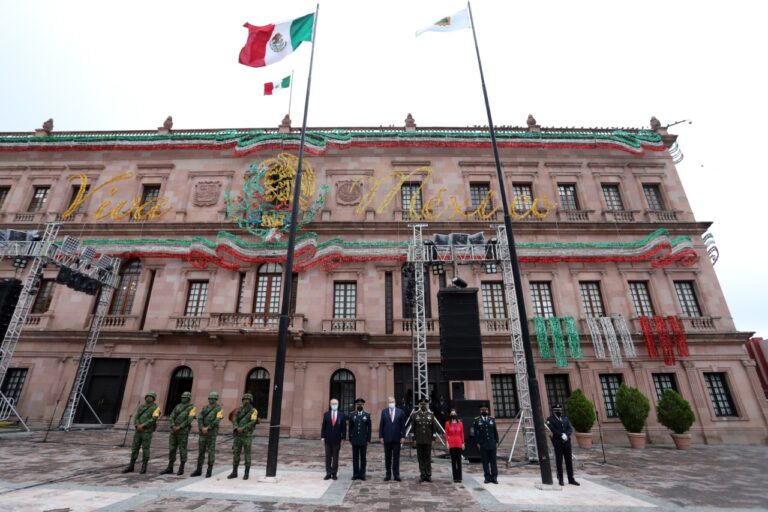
(568, 200)
(523, 195)
(653, 197)
(149, 193)
(541, 299)
(44, 297)
(610, 385)
(504, 393)
(687, 297)
(73, 196)
(4, 191)
(494, 303)
(389, 321)
(478, 192)
(590, 297)
(39, 197)
(720, 394)
(410, 195)
(196, 297)
(641, 298)
(240, 306)
(13, 383)
(662, 381)
(558, 389)
(344, 299)
(612, 197)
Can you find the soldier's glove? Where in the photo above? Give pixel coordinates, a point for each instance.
(565, 437)
(140, 427)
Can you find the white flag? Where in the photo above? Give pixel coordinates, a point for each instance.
(449, 23)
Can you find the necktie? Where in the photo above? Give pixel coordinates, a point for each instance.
(333, 419)
(392, 415)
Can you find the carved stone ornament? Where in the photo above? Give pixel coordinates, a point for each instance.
(349, 192)
(206, 193)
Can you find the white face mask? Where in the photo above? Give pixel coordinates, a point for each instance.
(334, 407)
(391, 405)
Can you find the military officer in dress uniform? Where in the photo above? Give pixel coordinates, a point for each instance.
(486, 437)
(359, 437)
(181, 419)
(245, 420)
(208, 429)
(561, 431)
(144, 421)
(423, 425)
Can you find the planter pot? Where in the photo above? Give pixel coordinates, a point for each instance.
(636, 441)
(682, 441)
(584, 440)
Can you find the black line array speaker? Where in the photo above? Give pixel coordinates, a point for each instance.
(9, 296)
(461, 350)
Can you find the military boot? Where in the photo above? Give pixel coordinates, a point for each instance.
(130, 467)
(198, 471)
(143, 469)
(181, 468)
(168, 470)
(233, 474)
(209, 471)
(247, 470)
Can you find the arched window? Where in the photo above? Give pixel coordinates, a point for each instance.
(268, 284)
(257, 384)
(343, 389)
(181, 381)
(122, 300)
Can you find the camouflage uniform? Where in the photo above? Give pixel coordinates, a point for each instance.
(208, 426)
(181, 418)
(144, 421)
(423, 433)
(245, 419)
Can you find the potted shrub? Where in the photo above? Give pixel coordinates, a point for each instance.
(581, 414)
(675, 413)
(633, 408)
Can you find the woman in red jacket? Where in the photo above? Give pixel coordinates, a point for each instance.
(454, 437)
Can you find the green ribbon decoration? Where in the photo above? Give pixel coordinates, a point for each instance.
(573, 338)
(558, 343)
(541, 337)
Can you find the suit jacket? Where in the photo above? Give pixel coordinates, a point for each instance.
(485, 433)
(334, 434)
(360, 428)
(559, 426)
(390, 431)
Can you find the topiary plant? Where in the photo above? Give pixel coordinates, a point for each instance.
(632, 407)
(581, 412)
(674, 412)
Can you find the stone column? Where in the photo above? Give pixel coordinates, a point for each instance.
(128, 405)
(373, 390)
(297, 425)
(698, 394)
(390, 379)
(750, 367)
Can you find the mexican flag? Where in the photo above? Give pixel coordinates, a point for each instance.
(270, 87)
(271, 43)
(449, 23)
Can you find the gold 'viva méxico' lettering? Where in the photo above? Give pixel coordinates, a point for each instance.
(149, 210)
(539, 207)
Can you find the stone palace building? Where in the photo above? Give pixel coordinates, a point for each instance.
(617, 280)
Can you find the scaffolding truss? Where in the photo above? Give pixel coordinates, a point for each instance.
(420, 255)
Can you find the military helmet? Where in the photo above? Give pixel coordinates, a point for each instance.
(213, 394)
(248, 396)
(186, 394)
(152, 394)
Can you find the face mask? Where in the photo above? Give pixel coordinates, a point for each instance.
(558, 413)
(484, 413)
(391, 405)
(334, 407)
(453, 416)
(149, 399)
(423, 407)
(212, 401)
(359, 407)
(185, 400)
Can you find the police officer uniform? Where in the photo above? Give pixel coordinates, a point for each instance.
(423, 428)
(561, 431)
(486, 437)
(359, 437)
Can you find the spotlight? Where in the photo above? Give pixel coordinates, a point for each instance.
(70, 245)
(459, 282)
(88, 254)
(19, 262)
(437, 269)
(490, 268)
(104, 263)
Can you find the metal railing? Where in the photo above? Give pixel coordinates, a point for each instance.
(343, 325)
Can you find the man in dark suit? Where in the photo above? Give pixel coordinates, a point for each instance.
(561, 431)
(359, 437)
(392, 434)
(332, 433)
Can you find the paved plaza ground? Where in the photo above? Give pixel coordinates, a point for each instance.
(80, 471)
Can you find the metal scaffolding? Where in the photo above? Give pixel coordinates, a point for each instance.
(487, 253)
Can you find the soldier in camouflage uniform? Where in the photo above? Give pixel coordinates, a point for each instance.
(245, 420)
(181, 418)
(208, 426)
(423, 432)
(144, 421)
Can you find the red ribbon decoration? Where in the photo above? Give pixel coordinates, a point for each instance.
(650, 344)
(666, 341)
(679, 336)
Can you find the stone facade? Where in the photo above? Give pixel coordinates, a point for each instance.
(199, 294)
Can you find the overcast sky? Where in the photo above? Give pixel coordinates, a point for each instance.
(128, 65)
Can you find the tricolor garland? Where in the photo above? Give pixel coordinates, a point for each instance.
(608, 328)
(558, 341)
(663, 326)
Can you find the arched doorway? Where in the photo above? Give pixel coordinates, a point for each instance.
(181, 381)
(257, 384)
(343, 389)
